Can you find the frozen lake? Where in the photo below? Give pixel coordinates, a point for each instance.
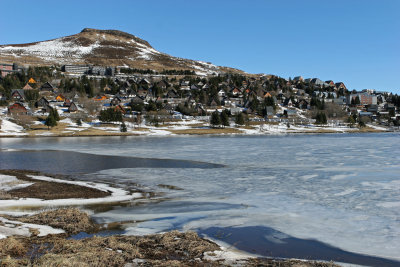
(271, 194)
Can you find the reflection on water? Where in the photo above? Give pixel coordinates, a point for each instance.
(69, 162)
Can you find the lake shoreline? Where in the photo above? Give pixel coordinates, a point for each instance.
(56, 228)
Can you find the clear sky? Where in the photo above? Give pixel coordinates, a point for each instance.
(354, 41)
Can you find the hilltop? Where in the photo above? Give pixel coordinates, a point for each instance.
(103, 47)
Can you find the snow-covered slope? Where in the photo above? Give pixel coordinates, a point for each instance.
(102, 47)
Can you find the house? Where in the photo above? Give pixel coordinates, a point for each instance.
(27, 87)
(18, 95)
(298, 79)
(194, 87)
(72, 107)
(137, 100)
(60, 98)
(41, 102)
(67, 102)
(330, 83)
(340, 85)
(17, 109)
(303, 104)
(267, 94)
(47, 87)
(115, 101)
(288, 102)
(31, 81)
(365, 98)
(341, 100)
(162, 84)
(46, 109)
(100, 98)
(120, 108)
(235, 91)
(221, 93)
(317, 81)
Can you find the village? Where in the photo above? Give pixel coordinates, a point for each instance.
(79, 100)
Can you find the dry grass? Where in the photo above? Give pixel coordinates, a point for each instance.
(50, 190)
(4, 195)
(71, 220)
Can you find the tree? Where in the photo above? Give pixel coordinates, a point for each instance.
(224, 118)
(215, 119)
(320, 118)
(54, 114)
(239, 120)
(357, 101)
(123, 128)
(50, 121)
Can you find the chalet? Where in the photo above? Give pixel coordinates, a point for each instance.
(226, 101)
(298, 79)
(267, 94)
(162, 84)
(18, 95)
(41, 102)
(100, 98)
(47, 87)
(115, 101)
(194, 87)
(46, 109)
(235, 91)
(169, 108)
(60, 98)
(317, 81)
(137, 100)
(340, 85)
(17, 109)
(330, 83)
(213, 103)
(171, 94)
(120, 108)
(288, 102)
(67, 102)
(27, 87)
(144, 82)
(303, 104)
(106, 89)
(221, 93)
(72, 107)
(31, 81)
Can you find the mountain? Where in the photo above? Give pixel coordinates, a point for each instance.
(102, 47)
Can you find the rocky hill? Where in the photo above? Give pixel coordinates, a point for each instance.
(102, 47)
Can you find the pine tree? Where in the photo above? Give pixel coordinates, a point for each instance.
(239, 120)
(123, 128)
(215, 119)
(224, 118)
(50, 121)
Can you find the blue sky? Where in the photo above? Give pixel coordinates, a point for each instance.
(354, 41)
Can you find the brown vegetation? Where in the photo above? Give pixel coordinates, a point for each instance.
(50, 190)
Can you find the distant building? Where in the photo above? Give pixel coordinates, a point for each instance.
(365, 98)
(6, 69)
(78, 69)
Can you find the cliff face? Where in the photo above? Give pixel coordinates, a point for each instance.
(102, 47)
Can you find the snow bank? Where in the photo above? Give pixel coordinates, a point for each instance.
(11, 228)
(117, 195)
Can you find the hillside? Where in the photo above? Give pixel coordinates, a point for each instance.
(102, 47)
